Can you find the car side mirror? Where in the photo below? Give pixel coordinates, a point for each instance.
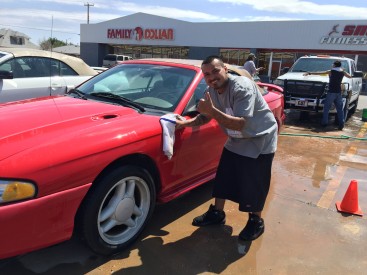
(191, 109)
(358, 74)
(6, 74)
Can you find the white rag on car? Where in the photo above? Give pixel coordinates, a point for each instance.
(168, 123)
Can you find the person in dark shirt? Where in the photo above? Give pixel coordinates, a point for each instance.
(334, 94)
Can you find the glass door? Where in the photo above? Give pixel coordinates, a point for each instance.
(276, 66)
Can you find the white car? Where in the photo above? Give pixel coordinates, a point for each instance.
(307, 93)
(99, 69)
(112, 59)
(29, 73)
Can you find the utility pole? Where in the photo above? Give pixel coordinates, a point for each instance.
(88, 5)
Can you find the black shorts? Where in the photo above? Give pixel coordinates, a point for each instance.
(243, 180)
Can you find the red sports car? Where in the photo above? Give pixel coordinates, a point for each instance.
(92, 161)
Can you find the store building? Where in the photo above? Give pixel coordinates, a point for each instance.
(276, 44)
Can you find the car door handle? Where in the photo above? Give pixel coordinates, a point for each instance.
(56, 85)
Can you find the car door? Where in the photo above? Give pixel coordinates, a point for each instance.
(31, 79)
(196, 149)
(356, 82)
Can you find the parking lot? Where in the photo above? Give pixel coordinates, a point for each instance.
(304, 233)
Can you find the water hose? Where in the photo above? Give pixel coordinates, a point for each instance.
(321, 136)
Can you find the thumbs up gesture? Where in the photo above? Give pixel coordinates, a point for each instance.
(205, 105)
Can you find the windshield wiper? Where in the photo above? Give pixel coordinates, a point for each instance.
(298, 71)
(122, 99)
(77, 92)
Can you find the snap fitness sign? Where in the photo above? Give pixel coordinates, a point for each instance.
(351, 35)
(139, 34)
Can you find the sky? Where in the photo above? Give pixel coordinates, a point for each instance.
(61, 19)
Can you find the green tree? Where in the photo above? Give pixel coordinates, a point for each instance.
(51, 43)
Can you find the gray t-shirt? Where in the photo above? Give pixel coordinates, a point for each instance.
(250, 67)
(243, 99)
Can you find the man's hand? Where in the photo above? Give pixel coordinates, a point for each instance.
(180, 123)
(196, 121)
(205, 105)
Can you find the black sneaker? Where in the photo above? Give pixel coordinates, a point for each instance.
(212, 216)
(254, 228)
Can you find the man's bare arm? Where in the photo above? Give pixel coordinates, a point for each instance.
(317, 73)
(347, 74)
(228, 121)
(196, 121)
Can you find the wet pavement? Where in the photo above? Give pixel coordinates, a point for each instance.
(304, 232)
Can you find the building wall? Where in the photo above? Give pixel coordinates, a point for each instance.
(257, 35)
(93, 53)
(202, 52)
(283, 41)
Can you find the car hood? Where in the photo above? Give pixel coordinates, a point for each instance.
(300, 76)
(54, 121)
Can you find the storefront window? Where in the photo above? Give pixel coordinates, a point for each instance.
(234, 56)
(151, 51)
(165, 52)
(275, 60)
(157, 52)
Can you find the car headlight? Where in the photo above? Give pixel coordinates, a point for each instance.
(279, 82)
(15, 190)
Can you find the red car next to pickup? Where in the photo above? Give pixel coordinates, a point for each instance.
(92, 161)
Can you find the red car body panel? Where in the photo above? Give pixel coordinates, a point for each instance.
(36, 225)
(62, 144)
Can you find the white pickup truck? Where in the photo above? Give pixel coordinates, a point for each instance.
(307, 93)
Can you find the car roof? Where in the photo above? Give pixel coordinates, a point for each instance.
(193, 62)
(327, 57)
(76, 63)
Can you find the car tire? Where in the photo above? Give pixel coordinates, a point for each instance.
(346, 109)
(116, 209)
(304, 116)
(355, 105)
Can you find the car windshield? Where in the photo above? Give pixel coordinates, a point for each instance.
(151, 86)
(316, 65)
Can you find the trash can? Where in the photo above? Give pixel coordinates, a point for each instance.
(364, 115)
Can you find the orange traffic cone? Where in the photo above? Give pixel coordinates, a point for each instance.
(349, 204)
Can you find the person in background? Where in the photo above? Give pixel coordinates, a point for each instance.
(334, 94)
(250, 65)
(244, 170)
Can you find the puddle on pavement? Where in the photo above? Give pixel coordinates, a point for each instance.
(310, 168)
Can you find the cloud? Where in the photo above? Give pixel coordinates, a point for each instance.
(65, 16)
(130, 7)
(300, 7)
(64, 2)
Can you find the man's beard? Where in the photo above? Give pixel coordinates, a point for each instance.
(219, 84)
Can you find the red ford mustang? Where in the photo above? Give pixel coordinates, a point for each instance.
(92, 161)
